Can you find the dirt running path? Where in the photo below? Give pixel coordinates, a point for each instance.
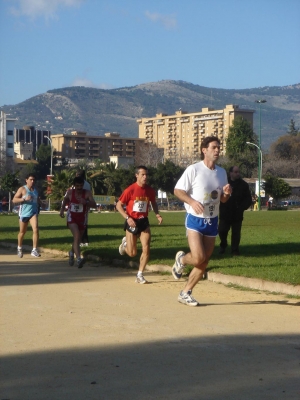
(93, 333)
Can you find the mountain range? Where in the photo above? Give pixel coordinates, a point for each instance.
(97, 111)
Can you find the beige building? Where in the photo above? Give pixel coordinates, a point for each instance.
(79, 145)
(180, 134)
(24, 151)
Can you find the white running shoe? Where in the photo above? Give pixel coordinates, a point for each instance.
(20, 253)
(140, 279)
(178, 268)
(35, 253)
(122, 246)
(187, 299)
(80, 262)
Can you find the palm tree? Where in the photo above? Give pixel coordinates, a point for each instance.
(60, 183)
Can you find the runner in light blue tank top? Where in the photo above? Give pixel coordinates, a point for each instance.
(27, 198)
(29, 207)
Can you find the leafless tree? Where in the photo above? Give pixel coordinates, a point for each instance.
(149, 155)
(6, 163)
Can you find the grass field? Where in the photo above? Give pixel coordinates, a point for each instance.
(270, 246)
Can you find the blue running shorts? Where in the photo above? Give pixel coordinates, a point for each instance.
(205, 226)
(26, 219)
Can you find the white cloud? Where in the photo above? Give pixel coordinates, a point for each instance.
(87, 83)
(40, 8)
(168, 21)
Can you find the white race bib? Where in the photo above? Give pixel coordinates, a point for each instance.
(140, 206)
(209, 209)
(76, 208)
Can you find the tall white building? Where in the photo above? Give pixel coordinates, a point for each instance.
(6, 135)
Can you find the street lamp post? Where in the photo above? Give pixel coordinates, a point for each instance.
(259, 147)
(259, 171)
(51, 162)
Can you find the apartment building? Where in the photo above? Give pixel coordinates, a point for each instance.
(6, 135)
(80, 145)
(180, 134)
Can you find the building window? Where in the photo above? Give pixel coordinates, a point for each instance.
(10, 133)
(10, 145)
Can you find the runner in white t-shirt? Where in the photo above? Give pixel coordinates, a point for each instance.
(201, 187)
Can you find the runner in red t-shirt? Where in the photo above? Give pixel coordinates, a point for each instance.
(79, 201)
(137, 198)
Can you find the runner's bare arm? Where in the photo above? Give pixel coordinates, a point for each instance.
(155, 209)
(183, 196)
(65, 201)
(90, 200)
(119, 207)
(19, 196)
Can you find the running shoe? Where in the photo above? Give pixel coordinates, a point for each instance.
(20, 253)
(80, 262)
(35, 253)
(71, 259)
(178, 268)
(187, 299)
(140, 279)
(122, 246)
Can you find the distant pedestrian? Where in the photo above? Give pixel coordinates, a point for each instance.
(255, 207)
(79, 200)
(232, 212)
(137, 198)
(86, 186)
(253, 202)
(28, 199)
(4, 204)
(201, 187)
(270, 202)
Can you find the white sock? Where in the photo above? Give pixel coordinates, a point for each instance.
(140, 273)
(19, 248)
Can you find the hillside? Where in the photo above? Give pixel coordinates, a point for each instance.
(97, 111)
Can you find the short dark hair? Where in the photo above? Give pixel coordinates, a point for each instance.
(30, 175)
(137, 169)
(78, 179)
(80, 173)
(231, 168)
(205, 143)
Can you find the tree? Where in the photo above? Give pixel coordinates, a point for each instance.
(6, 163)
(282, 168)
(237, 150)
(166, 175)
(292, 130)
(43, 156)
(276, 187)
(149, 155)
(61, 181)
(9, 182)
(286, 147)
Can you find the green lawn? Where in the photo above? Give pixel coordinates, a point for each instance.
(270, 246)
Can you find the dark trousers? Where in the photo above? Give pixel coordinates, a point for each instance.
(224, 227)
(85, 238)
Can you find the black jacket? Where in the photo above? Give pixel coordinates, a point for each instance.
(239, 201)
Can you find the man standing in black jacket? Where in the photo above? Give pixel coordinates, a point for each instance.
(232, 212)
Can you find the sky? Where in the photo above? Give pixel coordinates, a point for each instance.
(228, 44)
